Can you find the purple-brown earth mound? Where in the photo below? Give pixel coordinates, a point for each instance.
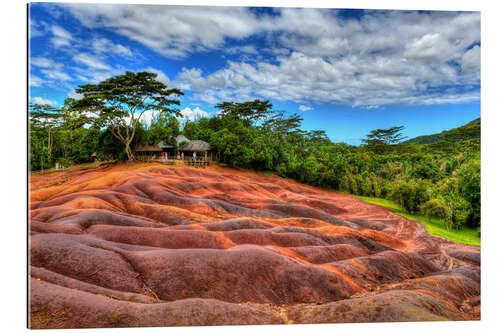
(155, 245)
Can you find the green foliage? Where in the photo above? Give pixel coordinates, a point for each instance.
(461, 209)
(283, 125)
(385, 136)
(266, 152)
(469, 184)
(311, 170)
(58, 135)
(438, 208)
(248, 111)
(379, 140)
(409, 194)
(426, 171)
(163, 128)
(109, 146)
(469, 131)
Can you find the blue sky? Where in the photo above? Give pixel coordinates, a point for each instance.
(344, 71)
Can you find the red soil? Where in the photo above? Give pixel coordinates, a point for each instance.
(154, 245)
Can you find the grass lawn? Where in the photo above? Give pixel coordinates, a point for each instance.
(436, 227)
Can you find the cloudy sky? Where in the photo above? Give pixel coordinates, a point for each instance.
(344, 71)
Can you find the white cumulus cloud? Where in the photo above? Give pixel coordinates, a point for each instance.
(162, 77)
(362, 62)
(309, 55)
(431, 47)
(148, 116)
(193, 115)
(471, 60)
(173, 31)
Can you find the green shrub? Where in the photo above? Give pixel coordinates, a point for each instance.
(409, 194)
(438, 208)
(469, 182)
(461, 209)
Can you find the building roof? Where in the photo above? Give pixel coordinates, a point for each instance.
(152, 148)
(181, 138)
(196, 145)
(161, 144)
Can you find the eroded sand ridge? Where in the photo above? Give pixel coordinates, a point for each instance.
(154, 245)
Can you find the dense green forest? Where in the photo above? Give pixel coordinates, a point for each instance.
(439, 179)
(471, 130)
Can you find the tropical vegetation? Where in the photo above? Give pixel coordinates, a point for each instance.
(435, 176)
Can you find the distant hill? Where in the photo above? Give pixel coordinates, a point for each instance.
(468, 131)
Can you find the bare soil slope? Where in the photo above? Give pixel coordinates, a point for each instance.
(154, 245)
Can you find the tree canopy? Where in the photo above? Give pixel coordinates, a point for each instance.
(379, 139)
(44, 115)
(388, 136)
(248, 111)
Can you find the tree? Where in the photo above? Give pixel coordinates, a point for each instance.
(119, 102)
(283, 125)
(72, 120)
(318, 137)
(255, 110)
(379, 139)
(164, 128)
(225, 142)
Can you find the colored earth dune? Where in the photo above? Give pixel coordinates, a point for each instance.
(153, 245)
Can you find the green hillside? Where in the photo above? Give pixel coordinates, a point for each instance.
(471, 130)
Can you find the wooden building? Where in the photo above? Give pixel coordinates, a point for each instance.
(200, 147)
(144, 153)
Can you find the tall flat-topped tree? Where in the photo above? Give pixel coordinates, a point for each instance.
(388, 136)
(379, 140)
(284, 125)
(119, 103)
(45, 116)
(248, 111)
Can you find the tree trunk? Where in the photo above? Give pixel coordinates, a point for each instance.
(129, 152)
